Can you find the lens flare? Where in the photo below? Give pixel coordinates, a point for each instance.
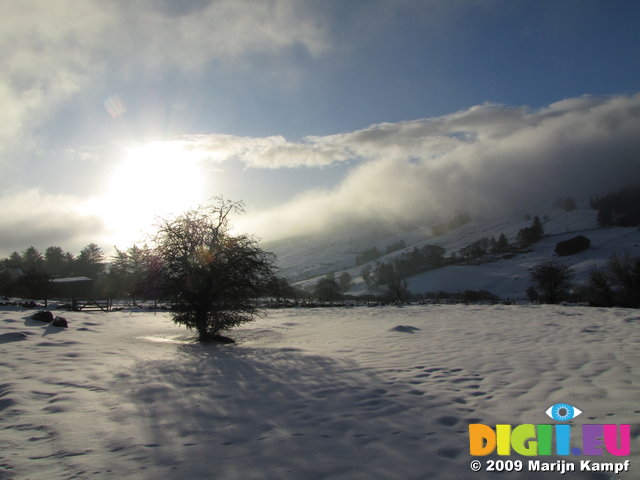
(115, 106)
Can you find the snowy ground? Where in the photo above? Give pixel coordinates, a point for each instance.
(361, 393)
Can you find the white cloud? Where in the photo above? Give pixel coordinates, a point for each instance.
(51, 51)
(224, 29)
(30, 217)
(267, 152)
(486, 158)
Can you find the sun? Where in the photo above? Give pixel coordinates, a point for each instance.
(153, 180)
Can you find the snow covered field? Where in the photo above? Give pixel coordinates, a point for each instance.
(360, 393)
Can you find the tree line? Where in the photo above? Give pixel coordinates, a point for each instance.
(621, 208)
(388, 279)
(211, 277)
(28, 274)
(615, 284)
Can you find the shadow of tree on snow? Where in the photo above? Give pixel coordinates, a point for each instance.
(252, 413)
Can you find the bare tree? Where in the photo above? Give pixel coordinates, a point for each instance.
(624, 272)
(213, 276)
(552, 280)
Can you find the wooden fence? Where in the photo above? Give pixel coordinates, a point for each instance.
(90, 304)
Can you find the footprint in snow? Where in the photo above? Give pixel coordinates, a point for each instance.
(448, 452)
(447, 420)
(404, 329)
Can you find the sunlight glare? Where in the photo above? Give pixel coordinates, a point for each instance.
(154, 180)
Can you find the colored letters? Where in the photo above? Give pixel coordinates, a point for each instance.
(530, 440)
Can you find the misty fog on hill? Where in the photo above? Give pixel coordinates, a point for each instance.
(488, 160)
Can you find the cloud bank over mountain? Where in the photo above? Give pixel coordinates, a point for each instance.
(488, 158)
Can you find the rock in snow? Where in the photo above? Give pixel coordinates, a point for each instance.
(43, 316)
(60, 322)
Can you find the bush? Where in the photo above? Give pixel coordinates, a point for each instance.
(327, 290)
(624, 272)
(599, 292)
(213, 276)
(552, 281)
(572, 246)
(617, 285)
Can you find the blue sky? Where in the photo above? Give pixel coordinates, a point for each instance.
(304, 109)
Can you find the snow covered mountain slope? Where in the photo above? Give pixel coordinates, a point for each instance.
(306, 260)
(311, 257)
(510, 277)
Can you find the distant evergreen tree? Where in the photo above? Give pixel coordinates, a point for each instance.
(32, 260)
(131, 274)
(57, 263)
(15, 260)
(529, 235)
(90, 262)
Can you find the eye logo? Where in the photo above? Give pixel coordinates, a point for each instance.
(563, 412)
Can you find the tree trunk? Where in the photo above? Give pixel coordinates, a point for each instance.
(202, 326)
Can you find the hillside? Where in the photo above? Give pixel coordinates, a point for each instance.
(306, 260)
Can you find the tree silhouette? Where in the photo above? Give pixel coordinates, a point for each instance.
(552, 280)
(213, 276)
(32, 260)
(529, 235)
(327, 290)
(624, 272)
(90, 262)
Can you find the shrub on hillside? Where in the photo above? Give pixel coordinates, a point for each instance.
(572, 246)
